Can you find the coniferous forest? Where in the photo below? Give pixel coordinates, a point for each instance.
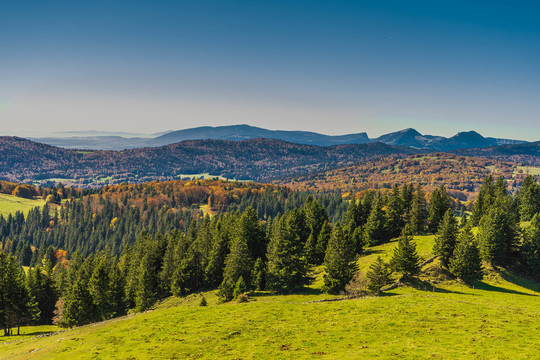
(92, 255)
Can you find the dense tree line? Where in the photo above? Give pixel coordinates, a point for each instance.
(113, 216)
(241, 250)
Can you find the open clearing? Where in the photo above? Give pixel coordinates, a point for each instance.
(10, 204)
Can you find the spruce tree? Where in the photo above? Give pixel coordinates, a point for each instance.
(438, 206)
(465, 262)
(418, 212)
(237, 264)
(287, 267)
(375, 228)
(445, 240)
(322, 242)
(486, 198)
(339, 261)
(405, 260)
(239, 288)
(530, 250)
(394, 213)
(78, 306)
(258, 275)
(498, 236)
(529, 198)
(378, 275)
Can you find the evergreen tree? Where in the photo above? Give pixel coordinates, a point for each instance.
(394, 213)
(438, 206)
(405, 260)
(530, 250)
(418, 212)
(287, 267)
(375, 229)
(250, 229)
(322, 242)
(378, 275)
(237, 264)
(78, 306)
(258, 275)
(445, 241)
(339, 261)
(498, 236)
(484, 201)
(239, 288)
(213, 273)
(529, 198)
(42, 289)
(466, 263)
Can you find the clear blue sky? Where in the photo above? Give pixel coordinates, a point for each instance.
(328, 66)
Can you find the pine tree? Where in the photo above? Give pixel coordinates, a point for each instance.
(485, 199)
(213, 273)
(498, 236)
(394, 213)
(258, 275)
(339, 261)
(418, 212)
(322, 242)
(438, 206)
(530, 250)
(375, 229)
(237, 264)
(405, 260)
(465, 262)
(445, 241)
(287, 266)
(239, 288)
(145, 295)
(529, 198)
(78, 306)
(378, 275)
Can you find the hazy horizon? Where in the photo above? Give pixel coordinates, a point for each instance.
(328, 67)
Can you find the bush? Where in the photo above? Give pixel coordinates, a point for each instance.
(357, 286)
(242, 298)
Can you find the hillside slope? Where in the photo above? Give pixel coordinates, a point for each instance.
(258, 159)
(461, 175)
(497, 318)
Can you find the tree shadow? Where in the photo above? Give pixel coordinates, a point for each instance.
(368, 252)
(487, 287)
(29, 334)
(520, 281)
(423, 285)
(301, 291)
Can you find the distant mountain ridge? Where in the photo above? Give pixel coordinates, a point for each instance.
(407, 137)
(23, 160)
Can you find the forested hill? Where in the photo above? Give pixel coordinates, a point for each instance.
(257, 159)
(528, 154)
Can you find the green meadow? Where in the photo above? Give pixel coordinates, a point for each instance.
(434, 318)
(10, 204)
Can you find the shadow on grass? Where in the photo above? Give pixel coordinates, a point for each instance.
(372, 252)
(521, 281)
(487, 287)
(422, 285)
(29, 334)
(301, 291)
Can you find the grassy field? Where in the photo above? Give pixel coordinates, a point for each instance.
(10, 204)
(498, 318)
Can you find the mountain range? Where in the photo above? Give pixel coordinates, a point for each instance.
(408, 137)
(23, 160)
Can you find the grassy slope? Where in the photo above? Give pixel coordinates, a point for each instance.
(497, 319)
(10, 204)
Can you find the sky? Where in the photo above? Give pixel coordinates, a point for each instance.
(333, 67)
